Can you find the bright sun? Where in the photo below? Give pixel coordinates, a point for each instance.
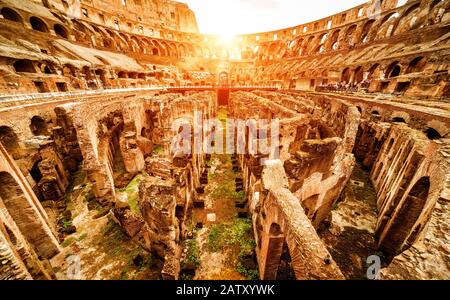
(227, 38)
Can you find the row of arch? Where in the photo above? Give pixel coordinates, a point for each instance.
(35, 23)
(392, 23)
(376, 71)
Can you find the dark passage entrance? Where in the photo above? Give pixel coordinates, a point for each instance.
(223, 96)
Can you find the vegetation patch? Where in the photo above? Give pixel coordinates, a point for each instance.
(237, 233)
(82, 237)
(132, 191)
(67, 242)
(192, 256)
(251, 274)
(158, 149)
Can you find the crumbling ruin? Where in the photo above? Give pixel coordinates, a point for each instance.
(98, 112)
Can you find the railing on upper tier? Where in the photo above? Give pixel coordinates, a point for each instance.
(33, 96)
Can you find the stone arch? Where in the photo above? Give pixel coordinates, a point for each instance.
(275, 242)
(38, 24)
(402, 117)
(432, 133)
(393, 70)
(366, 30)
(349, 34)
(25, 215)
(346, 75)
(398, 237)
(374, 72)
(406, 21)
(333, 40)
(61, 31)
(69, 70)
(10, 140)
(11, 14)
(38, 126)
(182, 50)
(47, 68)
(122, 74)
(416, 65)
(359, 75)
(134, 40)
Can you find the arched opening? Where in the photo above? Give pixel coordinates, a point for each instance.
(416, 65)
(69, 70)
(334, 39)
(144, 132)
(374, 72)
(365, 32)
(275, 229)
(38, 126)
(349, 34)
(223, 78)
(398, 120)
(407, 216)
(359, 75)
(36, 173)
(432, 134)
(60, 31)
(24, 65)
(346, 75)
(10, 14)
(122, 74)
(155, 51)
(10, 141)
(23, 214)
(38, 25)
(393, 70)
(101, 74)
(275, 243)
(46, 69)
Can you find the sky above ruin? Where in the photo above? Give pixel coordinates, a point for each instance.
(231, 17)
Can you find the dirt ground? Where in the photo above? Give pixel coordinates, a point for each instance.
(350, 239)
(99, 249)
(220, 265)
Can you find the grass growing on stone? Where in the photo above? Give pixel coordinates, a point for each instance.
(250, 274)
(67, 242)
(237, 233)
(158, 149)
(225, 181)
(132, 191)
(193, 256)
(111, 239)
(131, 271)
(82, 237)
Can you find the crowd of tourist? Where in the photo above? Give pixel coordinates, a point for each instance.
(344, 86)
